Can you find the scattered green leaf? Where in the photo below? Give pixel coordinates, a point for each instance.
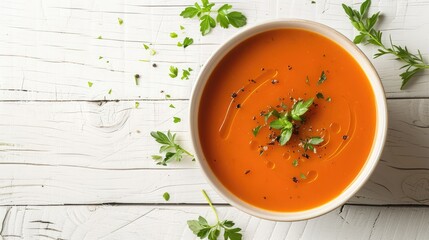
(309, 143)
(186, 73)
(303, 176)
(100, 57)
(255, 131)
(100, 37)
(172, 106)
(300, 108)
(90, 84)
(173, 35)
(110, 91)
(137, 104)
(295, 163)
(145, 46)
(177, 119)
(169, 146)
(182, 27)
(319, 95)
(120, 21)
(173, 71)
(166, 195)
(202, 229)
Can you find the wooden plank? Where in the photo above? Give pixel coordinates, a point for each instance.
(87, 152)
(51, 51)
(155, 222)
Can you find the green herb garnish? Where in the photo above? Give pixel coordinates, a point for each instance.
(182, 27)
(100, 57)
(322, 78)
(255, 131)
(173, 71)
(202, 229)
(173, 35)
(414, 63)
(177, 119)
(90, 84)
(295, 163)
(319, 95)
(120, 21)
(172, 106)
(166, 196)
(100, 37)
(207, 22)
(300, 108)
(110, 91)
(167, 96)
(303, 176)
(309, 143)
(186, 73)
(137, 104)
(186, 42)
(172, 150)
(145, 46)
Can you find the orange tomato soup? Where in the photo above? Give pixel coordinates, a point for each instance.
(274, 70)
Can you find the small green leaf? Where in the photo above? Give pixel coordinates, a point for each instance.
(206, 24)
(137, 104)
(173, 35)
(152, 52)
(364, 7)
(189, 12)
(182, 27)
(177, 119)
(255, 131)
(167, 96)
(237, 19)
(222, 20)
(277, 124)
(186, 73)
(171, 106)
(303, 176)
(359, 38)
(90, 84)
(156, 157)
(187, 41)
(322, 78)
(110, 91)
(315, 140)
(100, 37)
(166, 196)
(295, 163)
(173, 71)
(100, 57)
(120, 21)
(145, 46)
(285, 136)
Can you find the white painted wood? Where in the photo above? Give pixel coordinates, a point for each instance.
(169, 222)
(81, 152)
(49, 49)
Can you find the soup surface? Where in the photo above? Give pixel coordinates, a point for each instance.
(262, 80)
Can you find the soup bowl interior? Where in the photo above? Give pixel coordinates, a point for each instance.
(380, 129)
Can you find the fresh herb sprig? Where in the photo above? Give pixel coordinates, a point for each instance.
(309, 143)
(284, 121)
(224, 16)
(172, 150)
(414, 63)
(202, 229)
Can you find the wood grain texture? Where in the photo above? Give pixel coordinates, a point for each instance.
(49, 49)
(99, 152)
(156, 223)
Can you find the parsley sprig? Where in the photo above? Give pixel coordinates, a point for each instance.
(172, 150)
(284, 121)
(414, 63)
(224, 16)
(202, 229)
(309, 143)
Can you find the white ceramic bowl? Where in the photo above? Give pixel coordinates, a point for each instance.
(380, 133)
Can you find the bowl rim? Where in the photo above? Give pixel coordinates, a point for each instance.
(380, 130)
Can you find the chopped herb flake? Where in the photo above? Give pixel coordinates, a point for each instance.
(173, 71)
(177, 119)
(90, 84)
(173, 35)
(120, 21)
(319, 95)
(166, 196)
(255, 131)
(322, 78)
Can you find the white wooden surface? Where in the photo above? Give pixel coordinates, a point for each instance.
(65, 143)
